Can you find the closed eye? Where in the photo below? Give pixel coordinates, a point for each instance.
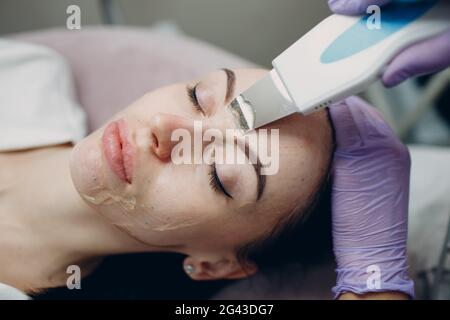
(192, 94)
(215, 182)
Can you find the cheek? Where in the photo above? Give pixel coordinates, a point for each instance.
(172, 200)
(171, 211)
(302, 169)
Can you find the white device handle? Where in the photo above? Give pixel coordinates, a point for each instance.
(343, 55)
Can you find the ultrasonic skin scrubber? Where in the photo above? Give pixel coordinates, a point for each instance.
(338, 58)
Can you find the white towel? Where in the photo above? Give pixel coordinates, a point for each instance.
(37, 104)
(10, 293)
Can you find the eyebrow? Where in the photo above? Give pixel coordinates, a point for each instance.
(231, 83)
(261, 179)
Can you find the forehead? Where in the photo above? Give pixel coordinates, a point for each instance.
(304, 155)
(244, 78)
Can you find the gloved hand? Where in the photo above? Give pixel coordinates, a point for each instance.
(424, 57)
(370, 194)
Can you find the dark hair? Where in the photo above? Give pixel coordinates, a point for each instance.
(302, 237)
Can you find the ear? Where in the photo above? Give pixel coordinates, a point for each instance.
(203, 268)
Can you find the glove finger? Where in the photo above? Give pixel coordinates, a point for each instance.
(353, 7)
(356, 123)
(424, 57)
(346, 131)
(368, 119)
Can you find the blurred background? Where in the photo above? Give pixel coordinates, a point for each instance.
(254, 29)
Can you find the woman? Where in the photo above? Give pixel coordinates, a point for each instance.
(118, 191)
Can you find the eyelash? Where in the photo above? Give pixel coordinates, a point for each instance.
(215, 183)
(191, 91)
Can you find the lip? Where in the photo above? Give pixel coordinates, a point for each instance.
(118, 150)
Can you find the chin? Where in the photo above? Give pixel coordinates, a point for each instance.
(86, 166)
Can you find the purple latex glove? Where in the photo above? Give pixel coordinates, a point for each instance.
(370, 194)
(431, 55)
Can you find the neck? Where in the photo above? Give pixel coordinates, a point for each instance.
(45, 224)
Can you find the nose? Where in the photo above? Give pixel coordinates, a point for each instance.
(162, 126)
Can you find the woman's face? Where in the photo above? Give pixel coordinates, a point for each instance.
(126, 172)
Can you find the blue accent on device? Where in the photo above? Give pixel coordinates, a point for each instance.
(359, 37)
